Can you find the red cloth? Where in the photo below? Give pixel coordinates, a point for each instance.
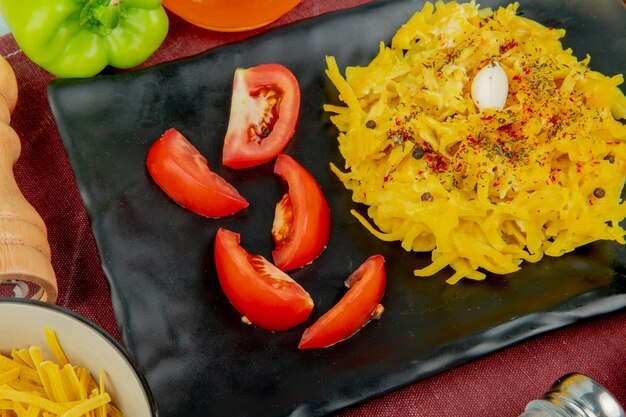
(495, 386)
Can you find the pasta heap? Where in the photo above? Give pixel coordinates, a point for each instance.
(481, 189)
(31, 386)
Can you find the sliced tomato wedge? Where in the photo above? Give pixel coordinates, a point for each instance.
(263, 115)
(355, 309)
(262, 293)
(184, 174)
(301, 226)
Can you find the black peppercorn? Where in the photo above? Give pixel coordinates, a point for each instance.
(418, 153)
(427, 197)
(599, 192)
(610, 157)
(370, 124)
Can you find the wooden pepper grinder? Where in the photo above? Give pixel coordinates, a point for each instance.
(25, 264)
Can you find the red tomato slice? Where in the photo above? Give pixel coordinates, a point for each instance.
(263, 115)
(355, 309)
(262, 293)
(184, 174)
(302, 218)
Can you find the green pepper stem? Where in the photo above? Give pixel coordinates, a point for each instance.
(101, 15)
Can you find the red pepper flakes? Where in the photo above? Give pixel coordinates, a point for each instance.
(508, 46)
(553, 172)
(401, 135)
(452, 56)
(579, 167)
(436, 162)
(508, 129)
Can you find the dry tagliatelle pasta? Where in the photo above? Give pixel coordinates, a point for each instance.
(482, 188)
(32, 386)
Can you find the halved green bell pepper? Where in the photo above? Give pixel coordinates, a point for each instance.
(79, 38)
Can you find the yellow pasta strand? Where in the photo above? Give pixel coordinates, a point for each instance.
(33, 411)
(58, 386)
(85, 382)
(102, 409)
(87, 405)
(9, 376)
(73, 382)
(55, 347)
(7, 393)
(25, 356)
(27, 386)
(18, 359)
(25, 372)
(19, 409)
(37, 358)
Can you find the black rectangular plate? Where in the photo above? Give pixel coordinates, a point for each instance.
(198, 357)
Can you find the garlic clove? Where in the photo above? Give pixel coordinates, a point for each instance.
(490, 87)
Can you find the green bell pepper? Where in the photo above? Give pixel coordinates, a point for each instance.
(79, 38)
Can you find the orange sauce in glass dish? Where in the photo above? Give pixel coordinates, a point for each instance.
(230, 15)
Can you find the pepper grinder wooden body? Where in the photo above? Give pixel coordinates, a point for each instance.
(25, 261)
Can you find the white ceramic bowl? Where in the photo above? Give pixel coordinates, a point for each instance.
(85, 344)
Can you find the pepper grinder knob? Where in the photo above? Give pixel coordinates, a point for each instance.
(575, 395)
